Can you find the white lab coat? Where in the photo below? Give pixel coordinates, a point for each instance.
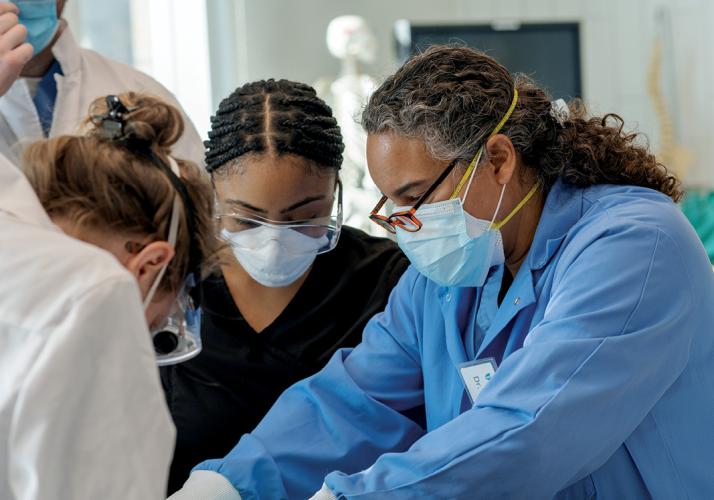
(87, 75)
(82, 413)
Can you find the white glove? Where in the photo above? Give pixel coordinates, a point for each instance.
(206, 485)
(324, 494)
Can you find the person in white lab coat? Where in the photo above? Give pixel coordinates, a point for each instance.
(96, 226)
(57, 86)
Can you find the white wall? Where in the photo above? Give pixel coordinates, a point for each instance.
(170, 41)
(281, 38)
(112, 22)
(252, 39)
(167, 39)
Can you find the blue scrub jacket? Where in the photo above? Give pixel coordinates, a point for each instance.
(605, 385)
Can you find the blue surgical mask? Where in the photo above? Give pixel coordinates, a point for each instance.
(40, 19)
(453, 248)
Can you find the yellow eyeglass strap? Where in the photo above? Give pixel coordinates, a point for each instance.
(496, 130)
(530, 194)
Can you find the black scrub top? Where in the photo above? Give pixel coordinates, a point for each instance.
(226, 390)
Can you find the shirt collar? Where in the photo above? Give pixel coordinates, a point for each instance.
(563, 208)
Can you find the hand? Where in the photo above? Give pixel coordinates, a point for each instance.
(14, 52)
(324, 494)
(206, 485)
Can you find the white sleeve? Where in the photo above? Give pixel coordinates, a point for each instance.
(90, 419)
(206, 485)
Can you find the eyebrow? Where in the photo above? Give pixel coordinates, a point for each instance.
(291, 208)
(247, 205)
(410, 185)
(302, 203)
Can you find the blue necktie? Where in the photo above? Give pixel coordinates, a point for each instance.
(46, 96)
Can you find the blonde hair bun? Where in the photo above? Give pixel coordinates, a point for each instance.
(149, 120)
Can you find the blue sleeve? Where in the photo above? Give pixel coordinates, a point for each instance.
(614, 337)
(344, 417)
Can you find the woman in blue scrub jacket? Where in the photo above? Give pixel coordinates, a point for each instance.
(553, 338)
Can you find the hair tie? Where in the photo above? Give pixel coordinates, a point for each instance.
(560, 111)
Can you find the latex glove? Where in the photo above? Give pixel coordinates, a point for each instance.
(324, 494)
(206, 485)
(14, 52)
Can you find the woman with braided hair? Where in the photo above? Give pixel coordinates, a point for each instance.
(294, 286)
(552, 339)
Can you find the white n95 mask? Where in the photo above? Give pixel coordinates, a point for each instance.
(274, 256)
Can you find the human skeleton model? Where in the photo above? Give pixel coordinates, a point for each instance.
(350, 40)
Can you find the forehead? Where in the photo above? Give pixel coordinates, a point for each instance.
(392, 158)
(278, 178)
(389, 147)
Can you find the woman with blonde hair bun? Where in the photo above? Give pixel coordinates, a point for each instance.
(100, 244)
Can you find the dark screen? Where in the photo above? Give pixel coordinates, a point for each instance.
(548, 53)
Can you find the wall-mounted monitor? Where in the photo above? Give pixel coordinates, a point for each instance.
(547, 52)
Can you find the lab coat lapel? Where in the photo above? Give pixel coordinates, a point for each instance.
(68, 106)
(487, 308)
(563, 207)
(520, 295)
(455, 307)
(20, 114)
(450, 300)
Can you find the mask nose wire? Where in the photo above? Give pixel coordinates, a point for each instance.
(274, 232)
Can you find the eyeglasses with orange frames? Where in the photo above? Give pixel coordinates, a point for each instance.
(407, 219)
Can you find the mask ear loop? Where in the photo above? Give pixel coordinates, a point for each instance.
(518, 207)
(498, 207)
(473, 167)
(173, 232)
(468, 187)
(477, 158)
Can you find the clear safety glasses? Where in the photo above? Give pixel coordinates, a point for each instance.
(178, 338)
(236, 227)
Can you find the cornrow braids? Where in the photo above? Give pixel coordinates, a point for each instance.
(276, 117)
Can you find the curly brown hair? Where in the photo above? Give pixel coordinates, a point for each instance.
(99, 183)
(451, 97)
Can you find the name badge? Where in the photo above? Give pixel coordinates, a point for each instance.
(476, 375)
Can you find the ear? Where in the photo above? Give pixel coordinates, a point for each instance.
(502, 155)
(147, 264)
